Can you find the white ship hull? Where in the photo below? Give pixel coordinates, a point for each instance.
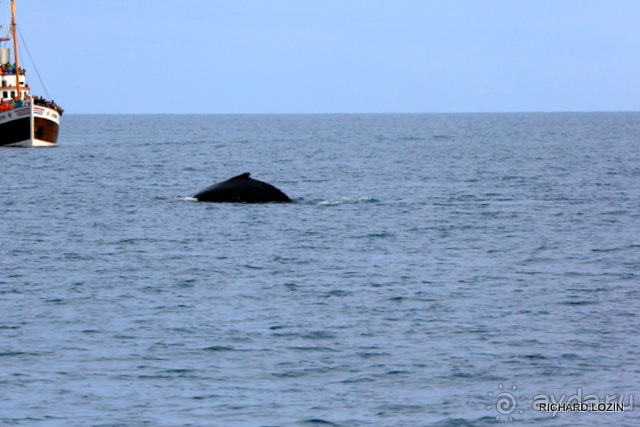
(29, 126)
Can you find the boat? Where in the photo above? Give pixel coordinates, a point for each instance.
(25, 120)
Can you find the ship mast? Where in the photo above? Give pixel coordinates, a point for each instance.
(15, 46)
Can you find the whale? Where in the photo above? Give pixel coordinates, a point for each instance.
(242, 189)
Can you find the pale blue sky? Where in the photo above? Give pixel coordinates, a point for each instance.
(333, 56)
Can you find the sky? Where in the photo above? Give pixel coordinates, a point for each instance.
(332, 56)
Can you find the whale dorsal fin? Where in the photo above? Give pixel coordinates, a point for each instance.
(243, 176)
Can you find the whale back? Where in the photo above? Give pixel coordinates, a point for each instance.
(242, 189)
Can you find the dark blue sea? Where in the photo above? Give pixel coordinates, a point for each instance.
(434, 270)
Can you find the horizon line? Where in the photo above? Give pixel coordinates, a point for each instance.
(345, 114)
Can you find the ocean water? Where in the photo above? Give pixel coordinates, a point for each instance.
(434, 270)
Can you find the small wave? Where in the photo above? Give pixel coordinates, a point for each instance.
(355, 380)
(215, 348)
(398, 372)
(338, 293)
(321, 349)
(535, 356)
(570, 356)
(379, 235)
(348, 201)
(371, 354)
(615, 249)
(178, 371)
(454, 422)
(617, 212)
(12, 353)
(319, 335)
(319, 421)
(580, 302)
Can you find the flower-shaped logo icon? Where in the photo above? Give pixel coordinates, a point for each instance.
(506, 403)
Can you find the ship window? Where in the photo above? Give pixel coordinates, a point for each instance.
(5, 94)
(13, 93)
(40, 132)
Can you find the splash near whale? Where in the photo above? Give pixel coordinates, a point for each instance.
(242, 189)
